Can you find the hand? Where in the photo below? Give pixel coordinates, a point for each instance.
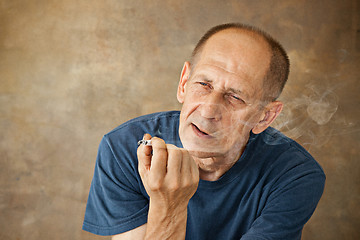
(170, 175)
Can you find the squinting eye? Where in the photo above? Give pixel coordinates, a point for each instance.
(205, 85)
(237, 99)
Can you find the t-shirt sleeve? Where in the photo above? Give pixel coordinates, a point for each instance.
(292, 200)
(115, 203)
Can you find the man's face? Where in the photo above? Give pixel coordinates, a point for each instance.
(221, 96)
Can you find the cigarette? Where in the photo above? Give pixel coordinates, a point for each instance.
(144, 142)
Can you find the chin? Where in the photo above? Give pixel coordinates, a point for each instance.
(203, 152)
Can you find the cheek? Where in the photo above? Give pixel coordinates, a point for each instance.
(242, 121)
(196, 93)
(191, 102)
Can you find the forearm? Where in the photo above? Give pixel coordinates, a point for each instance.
(166, 222)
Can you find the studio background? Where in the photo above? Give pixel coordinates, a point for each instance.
(71, 71)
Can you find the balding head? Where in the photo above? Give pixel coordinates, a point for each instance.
(278, 70)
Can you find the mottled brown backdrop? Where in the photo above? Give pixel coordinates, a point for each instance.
(72, 70)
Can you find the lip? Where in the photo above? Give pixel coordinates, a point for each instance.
(199, 132)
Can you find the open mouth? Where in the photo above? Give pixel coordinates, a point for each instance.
(198, 131)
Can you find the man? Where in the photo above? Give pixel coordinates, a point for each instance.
(216, 170)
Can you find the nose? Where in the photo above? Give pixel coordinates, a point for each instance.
(212, 107)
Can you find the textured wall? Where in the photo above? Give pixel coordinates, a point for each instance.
(72, 70)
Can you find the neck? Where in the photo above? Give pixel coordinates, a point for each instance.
(209, 174)
(213, 168)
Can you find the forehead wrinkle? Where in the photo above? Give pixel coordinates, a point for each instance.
(237, 68)
(243, 76)
(209, 74)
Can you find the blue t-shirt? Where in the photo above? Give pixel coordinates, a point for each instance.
(270, 193)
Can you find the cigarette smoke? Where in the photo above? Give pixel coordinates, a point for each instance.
(310, 118)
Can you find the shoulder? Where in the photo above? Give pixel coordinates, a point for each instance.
(286, 169)
(284, 152)
(147, 120)
(160, 124)
(150, 123)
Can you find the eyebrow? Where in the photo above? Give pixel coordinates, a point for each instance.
(233, 90)
(237, 91)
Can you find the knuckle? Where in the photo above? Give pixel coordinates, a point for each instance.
(171, 147)
(159, 150)
(157, 142)
(174, 186)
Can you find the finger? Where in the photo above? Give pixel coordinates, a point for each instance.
(159, 158)
(174, 161)
(144, 154)
(195, 171)
(148, 148)
(186, 164)
(190, 165)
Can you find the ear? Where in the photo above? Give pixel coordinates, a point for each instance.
(271, 111)
(184, 77)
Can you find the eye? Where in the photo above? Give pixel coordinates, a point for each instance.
(236, 99)
(205, 85)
